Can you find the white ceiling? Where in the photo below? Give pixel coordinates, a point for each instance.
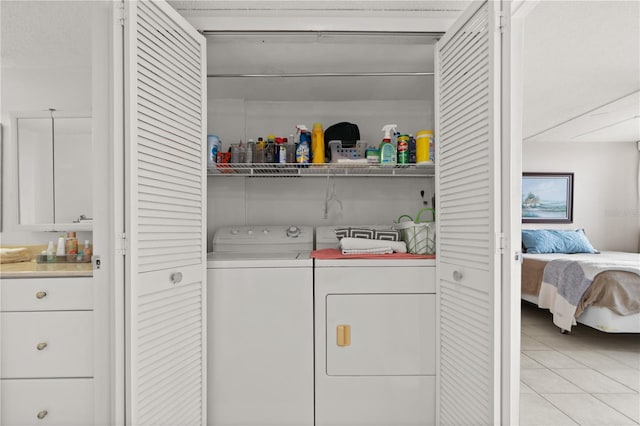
(46, 34)
(581, 58)
(582, 72)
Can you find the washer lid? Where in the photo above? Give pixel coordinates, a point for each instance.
(235, 260)
(229, 255)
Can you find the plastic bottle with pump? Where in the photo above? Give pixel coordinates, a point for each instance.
(304, 146)
(388, 154)
(317, 144)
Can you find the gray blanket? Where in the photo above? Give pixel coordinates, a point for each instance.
(568, 278)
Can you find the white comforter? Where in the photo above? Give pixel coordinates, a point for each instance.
(567, 277)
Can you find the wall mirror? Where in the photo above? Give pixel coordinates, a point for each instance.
(54, 168)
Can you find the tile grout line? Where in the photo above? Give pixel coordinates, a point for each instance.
(614, 408)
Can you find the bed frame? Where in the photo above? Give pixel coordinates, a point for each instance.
(601, 318)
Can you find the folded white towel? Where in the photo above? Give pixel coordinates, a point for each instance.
(348, 243)
(381, 250)
(12, 250)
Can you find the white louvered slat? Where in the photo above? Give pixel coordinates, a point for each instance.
(167, 315)
(467, 96)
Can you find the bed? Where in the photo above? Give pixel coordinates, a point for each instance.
(610, 281)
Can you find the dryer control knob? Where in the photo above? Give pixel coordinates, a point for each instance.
(293, 232)
(234, 231)
(265, 231)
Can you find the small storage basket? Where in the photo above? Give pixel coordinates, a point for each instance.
(338, 152)
(420, 237)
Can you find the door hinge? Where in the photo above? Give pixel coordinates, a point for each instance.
(121, 243)
(501, 21)
(120, 13)
(499, 243)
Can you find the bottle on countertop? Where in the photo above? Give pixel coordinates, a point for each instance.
(317, 144)
(61, 250)
(71, 245)
(51, 252)
(87, 251)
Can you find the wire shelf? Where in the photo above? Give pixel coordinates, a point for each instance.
(328, 169)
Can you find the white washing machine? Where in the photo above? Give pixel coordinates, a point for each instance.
(260, 326)
(375, 339)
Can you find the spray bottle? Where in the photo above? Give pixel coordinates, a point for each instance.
(388, 154)
(304, 146)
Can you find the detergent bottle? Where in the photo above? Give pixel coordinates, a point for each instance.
(317, 144)
(388, 154)
(304, 146)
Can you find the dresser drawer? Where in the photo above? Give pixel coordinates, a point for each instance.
(46, 294)
(47, 402)
(47, 344)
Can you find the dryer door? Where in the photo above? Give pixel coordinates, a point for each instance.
(380, 334)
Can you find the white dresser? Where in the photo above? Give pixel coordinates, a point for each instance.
(47, 358)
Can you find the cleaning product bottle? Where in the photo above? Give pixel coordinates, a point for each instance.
(317, 144)
(424, 147)
(388, 155)
(304, 146)
(214, 145)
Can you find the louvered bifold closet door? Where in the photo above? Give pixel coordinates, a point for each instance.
(165, 82)
(467, 184)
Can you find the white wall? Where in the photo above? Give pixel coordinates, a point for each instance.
(605, 194)
(47, 68)
(301, 201)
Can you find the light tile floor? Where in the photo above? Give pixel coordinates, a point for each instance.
(586, 377)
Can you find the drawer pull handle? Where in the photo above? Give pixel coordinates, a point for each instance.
(343, 335)
(457, 275)
(41, 294)
(40, 346)
(42, 414)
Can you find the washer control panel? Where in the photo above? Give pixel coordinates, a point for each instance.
(254, 238)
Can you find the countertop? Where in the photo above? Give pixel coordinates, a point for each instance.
(45, 270)
(32, 269)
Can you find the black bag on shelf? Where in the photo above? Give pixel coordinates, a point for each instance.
(347, 133)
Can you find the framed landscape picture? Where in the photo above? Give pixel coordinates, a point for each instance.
(547, 197)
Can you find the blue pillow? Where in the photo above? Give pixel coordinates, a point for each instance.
(556, 241)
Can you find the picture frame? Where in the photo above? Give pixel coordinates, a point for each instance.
(547, 198)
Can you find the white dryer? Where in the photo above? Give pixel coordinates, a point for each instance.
(260, 326)
(375, 339)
